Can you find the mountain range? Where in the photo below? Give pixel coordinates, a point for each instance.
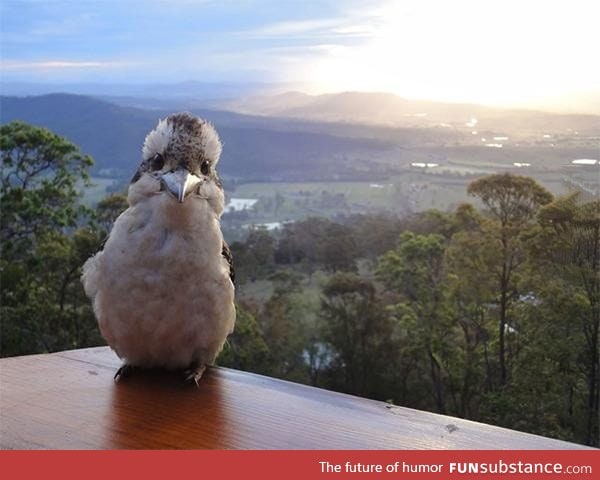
(299, 137)
(254, 149)
(392, 110)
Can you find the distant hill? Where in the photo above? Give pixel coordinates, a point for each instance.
(355, 107)
(113, 135)
(253, 149)
(187, 89)
(313, 145)
(391, 110)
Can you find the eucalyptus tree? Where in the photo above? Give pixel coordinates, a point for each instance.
(41, 300)
(511, 203)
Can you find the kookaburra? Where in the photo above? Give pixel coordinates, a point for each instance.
(162, 286)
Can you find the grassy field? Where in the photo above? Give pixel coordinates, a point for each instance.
(402, 193)
(365, 193)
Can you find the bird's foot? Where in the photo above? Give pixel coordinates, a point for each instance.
(194, 374)
(124, 371)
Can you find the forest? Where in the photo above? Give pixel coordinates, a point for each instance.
(489, 312)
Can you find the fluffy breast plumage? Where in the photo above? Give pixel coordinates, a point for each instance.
(160, 288)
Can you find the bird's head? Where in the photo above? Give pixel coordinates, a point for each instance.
(181, 154)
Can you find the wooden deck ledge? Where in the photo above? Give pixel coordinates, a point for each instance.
(68, 400)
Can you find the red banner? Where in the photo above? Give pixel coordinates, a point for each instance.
(291, 465)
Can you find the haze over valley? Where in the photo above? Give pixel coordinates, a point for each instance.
(295, 155)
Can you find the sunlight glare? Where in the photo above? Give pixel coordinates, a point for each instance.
(470, 51)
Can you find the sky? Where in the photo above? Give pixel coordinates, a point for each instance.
(508, 52)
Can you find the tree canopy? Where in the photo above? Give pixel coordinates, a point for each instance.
(44, 242)
(41, 177)
(488, 313)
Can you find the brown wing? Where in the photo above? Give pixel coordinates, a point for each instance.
(227, 254)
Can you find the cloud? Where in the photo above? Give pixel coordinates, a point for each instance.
(59, 64)
(349, 26)
(296, 27)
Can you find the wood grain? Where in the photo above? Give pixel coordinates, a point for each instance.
(68, 400)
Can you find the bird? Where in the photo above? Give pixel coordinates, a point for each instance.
(162, 285)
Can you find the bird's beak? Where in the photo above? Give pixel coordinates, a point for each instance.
(180, 183)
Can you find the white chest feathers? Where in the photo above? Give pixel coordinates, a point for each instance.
(160, 288)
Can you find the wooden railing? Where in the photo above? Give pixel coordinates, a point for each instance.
(68, 400)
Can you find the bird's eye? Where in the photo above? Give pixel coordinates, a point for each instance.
(157, 162)
(205, 167)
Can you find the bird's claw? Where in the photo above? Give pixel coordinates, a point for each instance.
(195, 374)
(123, 371)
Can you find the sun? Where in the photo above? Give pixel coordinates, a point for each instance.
(464, 51)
